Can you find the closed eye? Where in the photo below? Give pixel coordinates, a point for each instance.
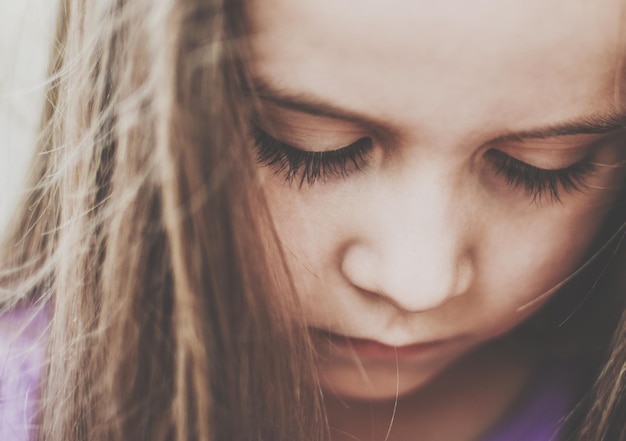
(295, 164)
(539, 183)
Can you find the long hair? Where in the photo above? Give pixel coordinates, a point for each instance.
(146, 240)
(602, 412)
(146, 237)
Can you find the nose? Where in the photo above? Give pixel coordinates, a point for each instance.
(414, 250)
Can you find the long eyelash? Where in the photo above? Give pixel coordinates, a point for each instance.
(307, 166)
(538, 182)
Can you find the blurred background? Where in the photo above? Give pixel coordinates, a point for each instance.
(26, 36)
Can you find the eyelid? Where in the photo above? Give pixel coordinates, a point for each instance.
(548, 157)
(572, 146)
(335, 151)
(309, 166)
(549, 168)
(309, 133)
(540, 182)
(313, 144)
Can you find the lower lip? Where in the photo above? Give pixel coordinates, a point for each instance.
(374, 350)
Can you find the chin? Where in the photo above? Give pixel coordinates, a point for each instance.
(377, 383)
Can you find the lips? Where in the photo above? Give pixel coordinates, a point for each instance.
(374, 349)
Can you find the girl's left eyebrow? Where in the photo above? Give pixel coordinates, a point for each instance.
(594, 124)
(597, 124)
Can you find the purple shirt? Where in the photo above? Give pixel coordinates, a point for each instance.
(22, 355)
(535, 416)
(539, 412)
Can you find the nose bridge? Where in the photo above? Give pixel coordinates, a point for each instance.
(416, 255)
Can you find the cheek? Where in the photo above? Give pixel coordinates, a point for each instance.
(311, 221)
(303, 227)
(522, 264)
(312, 229)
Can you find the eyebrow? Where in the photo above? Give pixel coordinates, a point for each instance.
(305, 103)
(597, 124)
(588, 125)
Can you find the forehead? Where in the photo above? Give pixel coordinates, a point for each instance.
(430, 64)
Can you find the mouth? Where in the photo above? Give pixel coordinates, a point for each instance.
(373, 349)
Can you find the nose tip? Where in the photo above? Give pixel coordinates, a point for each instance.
(414, 283)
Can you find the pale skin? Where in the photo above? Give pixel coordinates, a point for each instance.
(427, 241)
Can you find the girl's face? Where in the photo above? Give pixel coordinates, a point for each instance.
(433, 168)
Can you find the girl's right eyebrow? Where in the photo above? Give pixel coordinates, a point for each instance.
(305, 103)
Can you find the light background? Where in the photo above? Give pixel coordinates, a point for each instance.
(26, 34)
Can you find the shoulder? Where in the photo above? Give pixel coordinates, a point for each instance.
(22, 356)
